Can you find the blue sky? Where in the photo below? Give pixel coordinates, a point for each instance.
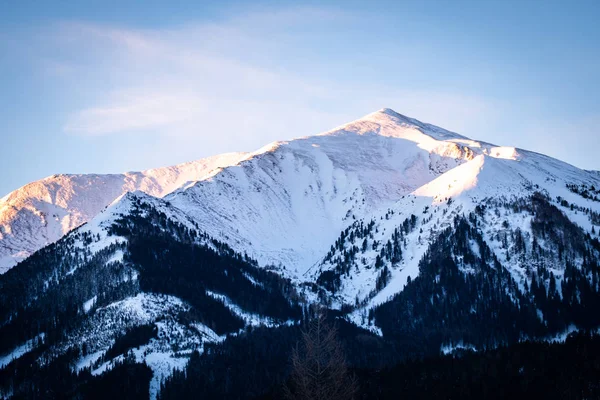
(112, 86)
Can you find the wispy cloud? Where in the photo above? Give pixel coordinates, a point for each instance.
(200, 79)
(136, 112)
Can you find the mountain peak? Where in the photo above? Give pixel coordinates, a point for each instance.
(392, 113)
(389, 123)
(397, 117)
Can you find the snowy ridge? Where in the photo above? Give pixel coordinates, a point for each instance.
(249, 318)
(159, 354)
(43, 211)
(19, 351)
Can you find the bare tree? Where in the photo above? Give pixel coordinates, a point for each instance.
(319, 370)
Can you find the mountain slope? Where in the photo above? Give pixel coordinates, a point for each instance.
(286, 203)
(43, 211)
(491, 181)
(140, 275)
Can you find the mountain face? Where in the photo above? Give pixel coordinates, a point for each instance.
(418, 239)
(287, 202)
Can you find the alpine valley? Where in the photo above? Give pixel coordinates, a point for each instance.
(452, 268)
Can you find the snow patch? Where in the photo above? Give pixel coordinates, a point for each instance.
(19, 351)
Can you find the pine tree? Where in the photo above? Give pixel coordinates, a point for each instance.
(319, 370)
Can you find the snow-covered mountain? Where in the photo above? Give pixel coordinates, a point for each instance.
(310, 180)
(286, 203)
(43, 211)
(407, 229)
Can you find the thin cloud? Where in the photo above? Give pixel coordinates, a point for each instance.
(135, 113)
(185, 81)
